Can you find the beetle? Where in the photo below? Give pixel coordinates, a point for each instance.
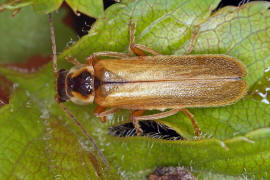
(157, 82)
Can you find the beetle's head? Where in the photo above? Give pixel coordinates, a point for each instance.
(76, 85)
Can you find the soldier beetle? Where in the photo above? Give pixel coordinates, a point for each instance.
(157, 82)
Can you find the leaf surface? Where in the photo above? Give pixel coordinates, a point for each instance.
(93, 8)
(27, 34)
(235, 141)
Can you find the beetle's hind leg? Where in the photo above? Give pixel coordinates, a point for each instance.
(137, 49)
(167, 114)
(193, 121)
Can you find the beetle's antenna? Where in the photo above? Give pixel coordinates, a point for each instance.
(53, 46)
(85, 132)
(62, 105)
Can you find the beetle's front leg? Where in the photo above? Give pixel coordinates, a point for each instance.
(137, 49)
(72, 60)
(95, 56)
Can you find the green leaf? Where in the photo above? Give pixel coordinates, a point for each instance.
(27, 34)
(93, 8)
(235, 141)
(46, 6)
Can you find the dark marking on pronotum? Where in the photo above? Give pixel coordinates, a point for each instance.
(81, 83)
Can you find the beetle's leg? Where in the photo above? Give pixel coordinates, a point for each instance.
(133, 116)
(170, 113)
(193, 121)
(193, 40)
(102, 112)
(137, 49)
(98, 110)
(131, 48)
(95, 56)
(140, 47)
(3, 6)
(158, 115)
(15, 12)
(72, 60)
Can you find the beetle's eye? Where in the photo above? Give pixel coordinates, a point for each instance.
(81, 83)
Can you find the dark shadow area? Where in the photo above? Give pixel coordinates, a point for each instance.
(224, 3)
(83, 23)
(150, 128)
